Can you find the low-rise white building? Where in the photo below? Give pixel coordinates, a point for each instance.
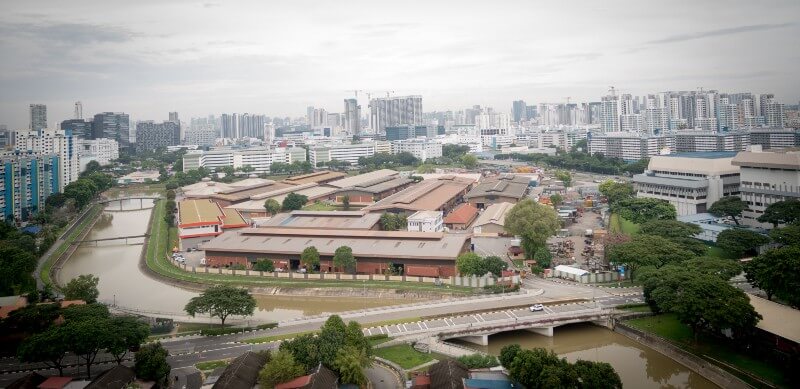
(421, 148)
(767, 177)
(141, 177)
(259, 159)
(629, 146)
(426, 221)
(341, 152)
(102, 150)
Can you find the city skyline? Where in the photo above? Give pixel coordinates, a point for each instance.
(148, 61)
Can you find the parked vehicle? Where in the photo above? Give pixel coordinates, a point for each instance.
(537, 308)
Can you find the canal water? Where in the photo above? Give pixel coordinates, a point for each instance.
(123, 283)
(637, 365)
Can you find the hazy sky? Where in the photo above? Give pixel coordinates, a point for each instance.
(150, 57)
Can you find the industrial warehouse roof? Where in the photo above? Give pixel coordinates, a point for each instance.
(206, 212)
(784, 159)
(208, 187)
(493, 214)
(256, 202)
(777, 319)
(283, 189)
(380, 185)
(463, 214)
(427, 195)
(365, 243)
(241, 194)
(349, 220)
(362, 178)
(316, 177)
(506, 185)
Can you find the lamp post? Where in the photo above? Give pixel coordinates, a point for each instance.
(365, 297)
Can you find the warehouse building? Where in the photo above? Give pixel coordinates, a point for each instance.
(371, 191)
(506, 188)
(441, 194)
(492, 220)
(201, 220)
(767, 177)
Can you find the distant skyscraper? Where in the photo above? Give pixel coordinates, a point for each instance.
(38, 116)
(78, 110)
(609, 113)
(173, 117)
(112, 125)
(395, 111)
(79, 127)
(151, 135)
(352, 116)
(520, 111)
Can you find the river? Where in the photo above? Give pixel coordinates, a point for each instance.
(638, 366)
(123, 283)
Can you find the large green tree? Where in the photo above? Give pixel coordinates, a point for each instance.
(350, 362)
(49, 347)
(642, 210)
(786, 236)
(776, 272)
(150, 363)
(533, 223)
(729, 206)
(305, 350)
(469, 161)
(647, 250)
(782, 212)
(543, 257)
(565, 177)
(616, 191)
(272, 206)
(281, 368)
(540, 368)
(127, 334)
(84, 287)
(222, 301)
(678, 232)
(343, 259)
(739, 242)
(86, 338)
(294, 201)
(470, 264)
(16, 268)
(310, 257)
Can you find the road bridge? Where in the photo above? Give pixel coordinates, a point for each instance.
(120, 200)
(114, 238)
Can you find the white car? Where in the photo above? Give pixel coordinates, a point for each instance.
(537, 308)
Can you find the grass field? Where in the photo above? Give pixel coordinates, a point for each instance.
(48, 265)
(403, 355)
(621, 225)
(211, 365)
(158, 249)
(264, 339)
(668, 327)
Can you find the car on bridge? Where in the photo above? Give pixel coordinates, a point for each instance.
(537, 308)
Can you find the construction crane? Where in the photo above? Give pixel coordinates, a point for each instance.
(355, 92)
(612, 90)
(388, 93)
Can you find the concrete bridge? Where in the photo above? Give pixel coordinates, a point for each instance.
(114, 238)
(476, 328)
(121, 199)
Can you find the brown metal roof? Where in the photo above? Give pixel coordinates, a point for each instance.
(506, 186)
(325, 219)
(316, 177)
(463, 214)
(428, 195)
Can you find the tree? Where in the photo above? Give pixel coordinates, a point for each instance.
(49, 347)
(281, 368)
(16, 267)
(565, 177)
(533, 223)
(494, 264)
(265, 265)
(782, 212)
(786, 236)
(346, 202)
(678, 232)
(543, 257)
(540, 368)
(469, 161)
(393, 222)
(305, 350)
(730, 206)
(343, 259)
(82, 288)
(738, 242)
(776, 272)
(508, 353)
(128, 333)
(294, 201)
(556, 200)
(272, 206)
(85, 338)
(150, 362)
(310, 257)
(647, 250)
(470, 264)
(332, 337)
(170, 194)
(350, 363)
(478, 361)
(642, 210)
(599, 375)
(616, 191)
(221, 301)
(723, 268)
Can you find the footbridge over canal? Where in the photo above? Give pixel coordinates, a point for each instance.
(476, 328)
(120, 200)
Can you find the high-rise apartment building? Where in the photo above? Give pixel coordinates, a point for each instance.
(609, 114)
(519, 111)
(629, 146)
(27, 179)
(173, 117)
(78, 110)
(79, 127)
(352, 117)
(38, 117)
(151, 135)
(112, 125)
(102, 150)
(56, 142)
(395, 111)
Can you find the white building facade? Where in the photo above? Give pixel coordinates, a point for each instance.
(422, 149)
(57, 142)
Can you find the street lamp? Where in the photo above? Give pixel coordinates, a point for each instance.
(365, 297)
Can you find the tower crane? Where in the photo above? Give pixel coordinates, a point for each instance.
(612, 90)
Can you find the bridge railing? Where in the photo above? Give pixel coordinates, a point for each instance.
(543, 321)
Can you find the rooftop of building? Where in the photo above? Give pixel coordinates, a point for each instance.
(380, 185)
(206, 212)
(708, 164)
(773, 158)
(363, 178)
(463, 214)
(207, 187)
(420, 215)
(315, 177)
(777, 319)
(494, 214)
(235, 195)
(703, 154)
(347, 220)
(505, 185)
(427, 195)
(364, 243)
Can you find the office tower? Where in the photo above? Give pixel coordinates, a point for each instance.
(112, 125)
(410, 132)
(27, 180)
(530, 112)
(772, 111)
(609, 113)
(352, 116)
(519, 111)
(78, 110)
(229, 126)
(6, 137)
(395, 111)
(151, 136)
(626, 105)
(173, 117)
(201, 136)
(57, 142)
(38, 117)
(80, 128)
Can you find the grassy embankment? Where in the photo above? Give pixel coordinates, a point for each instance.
(403, 355)
(719, 352)
(162, 239)
(48, 265)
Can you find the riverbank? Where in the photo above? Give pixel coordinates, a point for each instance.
(47, 272)
(162, 238)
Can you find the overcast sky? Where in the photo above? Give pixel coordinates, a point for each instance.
(150, 57)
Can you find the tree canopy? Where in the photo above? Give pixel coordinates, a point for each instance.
(343, 259)
(310, 257)
(642, 210)
(84, 287)
(679, 232)
(150, 362)
(294, 201)
(540, 368)
(647, 250)
(474, 264)
(280, 368)
(729, 206)
(533, 223)
(469, 161)
(272, 206)
(222, 301)
(782, 212)
(565, 177)
(739, 242)
(786, 236)
(393, 222)
(776, 272)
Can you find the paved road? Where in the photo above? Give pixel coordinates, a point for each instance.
(382, 377)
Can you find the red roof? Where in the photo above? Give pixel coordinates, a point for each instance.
(463, 214)
(298, 382)
(55, 383)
